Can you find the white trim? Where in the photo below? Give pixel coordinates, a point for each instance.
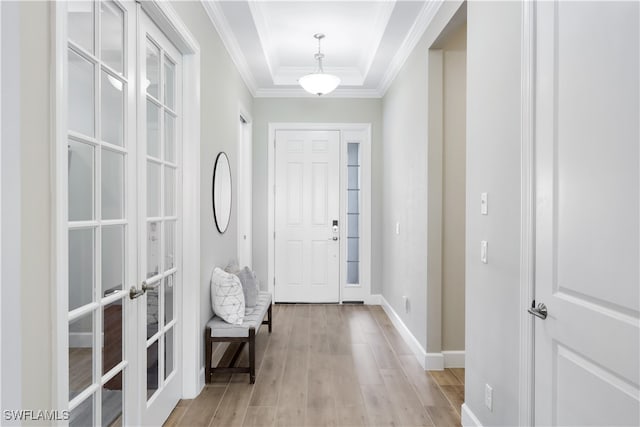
(301, 93)
(434, 362)
(468, 418)
(201, 382)
(365, 259)
(527, 237)
(415, 346)
(426, 15)
(59, 242)
(222, 27)
(453, 359)
(375, 299)
(245, 173)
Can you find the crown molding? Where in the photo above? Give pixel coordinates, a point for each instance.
(217, 18)
(380, 26)
(426, 15)
(301, 93)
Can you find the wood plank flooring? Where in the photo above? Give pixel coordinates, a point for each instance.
(328, 365)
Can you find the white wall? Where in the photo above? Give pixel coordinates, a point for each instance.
(11, 368)
(222, 90)
(404, 189)
(493, 166)
(314, 110)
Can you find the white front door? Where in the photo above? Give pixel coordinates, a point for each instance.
(307, 209)
(587, 356)
(159, 173)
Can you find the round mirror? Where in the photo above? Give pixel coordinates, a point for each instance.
(222, 192)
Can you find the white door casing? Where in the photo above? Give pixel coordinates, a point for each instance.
(587, 215)
(307, 204)
(245, 192)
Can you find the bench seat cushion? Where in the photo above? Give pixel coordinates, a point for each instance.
(222, 329)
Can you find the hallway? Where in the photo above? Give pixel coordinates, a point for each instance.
(307, 376)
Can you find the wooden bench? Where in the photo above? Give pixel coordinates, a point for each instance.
(217, 330)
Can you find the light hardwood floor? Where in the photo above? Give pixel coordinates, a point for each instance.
(328, 365)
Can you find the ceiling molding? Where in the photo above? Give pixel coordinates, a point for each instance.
(380, 25)
(217, 18)
(301, 93)
(262, 28)
(427, 13)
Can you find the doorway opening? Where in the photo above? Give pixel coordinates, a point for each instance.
(447, 196)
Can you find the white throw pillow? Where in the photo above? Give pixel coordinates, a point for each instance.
(227, 298)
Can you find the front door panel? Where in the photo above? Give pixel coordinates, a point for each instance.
(307, 205)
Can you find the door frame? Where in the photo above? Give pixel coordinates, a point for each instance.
(166, 18)
(348, 132)
(245, 173)
(527, 216)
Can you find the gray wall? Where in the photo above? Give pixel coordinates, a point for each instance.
(453, 188)
(493, 166)
(36, 207)
(314, 110)
(404, 190)
(222, 91)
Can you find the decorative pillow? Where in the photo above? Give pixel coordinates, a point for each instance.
(227, 298)
(232, 267)
(249, 286)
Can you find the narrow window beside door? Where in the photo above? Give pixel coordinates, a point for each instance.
(353, 213)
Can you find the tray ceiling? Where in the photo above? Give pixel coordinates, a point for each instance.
(366, 43)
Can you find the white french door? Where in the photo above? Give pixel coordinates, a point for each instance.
(159, 96)
(307, 210)
(587, 350)
(123, 259)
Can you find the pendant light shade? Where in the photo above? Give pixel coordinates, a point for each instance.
(319, 83)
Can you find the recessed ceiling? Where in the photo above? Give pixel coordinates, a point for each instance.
(366, 43)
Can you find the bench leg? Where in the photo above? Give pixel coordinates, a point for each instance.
(270, 317)
(207, 355)
(252, 355)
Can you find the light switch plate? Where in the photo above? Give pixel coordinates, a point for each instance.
(483, 251)
(484, 204)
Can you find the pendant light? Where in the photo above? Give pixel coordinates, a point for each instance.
(319, 83)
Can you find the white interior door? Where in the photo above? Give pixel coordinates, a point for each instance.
(159, 173)
(307, 205)
(123, 211)
(587, 356)
(101, 212)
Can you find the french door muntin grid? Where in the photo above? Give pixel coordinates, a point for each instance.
(160, 214)
(90, 399)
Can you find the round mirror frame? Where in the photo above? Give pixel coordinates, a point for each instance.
(221, 196)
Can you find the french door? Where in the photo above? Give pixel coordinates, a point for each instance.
(123, 169)
(587, 98)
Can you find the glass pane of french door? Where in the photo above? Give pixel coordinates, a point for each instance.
(99, 156)
(158, 140)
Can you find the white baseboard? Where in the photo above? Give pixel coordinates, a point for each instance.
(434, 362)
(201, 380)
(453, 359)
(469, 419)
(373, 299)
(405, 333)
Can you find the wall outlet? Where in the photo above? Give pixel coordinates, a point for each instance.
(484, 249)
(405, 301)
(484, 204)
(397, 227)
(488, 397)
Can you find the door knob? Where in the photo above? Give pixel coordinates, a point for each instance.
(539, 311)
(135, 293)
